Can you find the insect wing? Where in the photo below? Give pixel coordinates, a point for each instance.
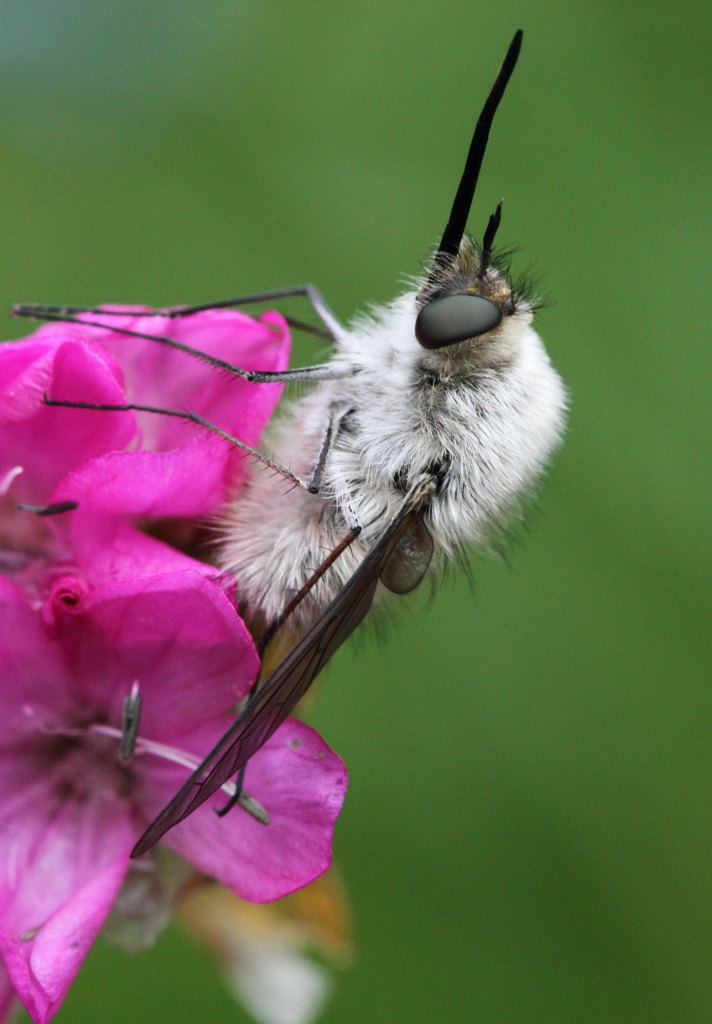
(286, 685)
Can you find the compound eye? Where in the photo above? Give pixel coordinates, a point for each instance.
(455, 318)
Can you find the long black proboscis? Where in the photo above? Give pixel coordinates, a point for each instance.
(466, 190)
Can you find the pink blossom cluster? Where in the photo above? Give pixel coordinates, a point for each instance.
(101, 598)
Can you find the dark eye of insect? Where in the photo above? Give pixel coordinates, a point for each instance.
(455, 318)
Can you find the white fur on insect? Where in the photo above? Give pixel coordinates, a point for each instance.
(490, 409)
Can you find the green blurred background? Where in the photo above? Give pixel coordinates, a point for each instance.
(527, 834)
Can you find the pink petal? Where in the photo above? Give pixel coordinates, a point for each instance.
(9, 1003)
(187, 482)
(42, 968)
(177, 634)
(184, 470)
(301, 783)
(106, 548)
(159, 375)
(65, 837)
(74, 362)
(50, 441)
(28, 662)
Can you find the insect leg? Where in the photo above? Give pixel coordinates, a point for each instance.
(65, 314)
(335, 328)
(191, 417)
(248, 803)
(336, 414)
(310, 292)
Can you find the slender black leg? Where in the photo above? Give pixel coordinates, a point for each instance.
(192, 417)
(333, 370)
(247, 802)
(336, 414)
(309, 291)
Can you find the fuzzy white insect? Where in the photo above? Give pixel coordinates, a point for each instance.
(476, 421)
(426, 431)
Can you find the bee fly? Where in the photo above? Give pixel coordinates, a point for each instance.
(426, 430)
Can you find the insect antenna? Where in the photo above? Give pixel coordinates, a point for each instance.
(459, 213)
(488, 239)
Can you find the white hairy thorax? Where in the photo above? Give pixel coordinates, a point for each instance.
(488, 411)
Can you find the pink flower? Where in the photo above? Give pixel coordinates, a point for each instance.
(71, 810)
(92, 608)
(125, 465)
(9, 1003)
(181, 469)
